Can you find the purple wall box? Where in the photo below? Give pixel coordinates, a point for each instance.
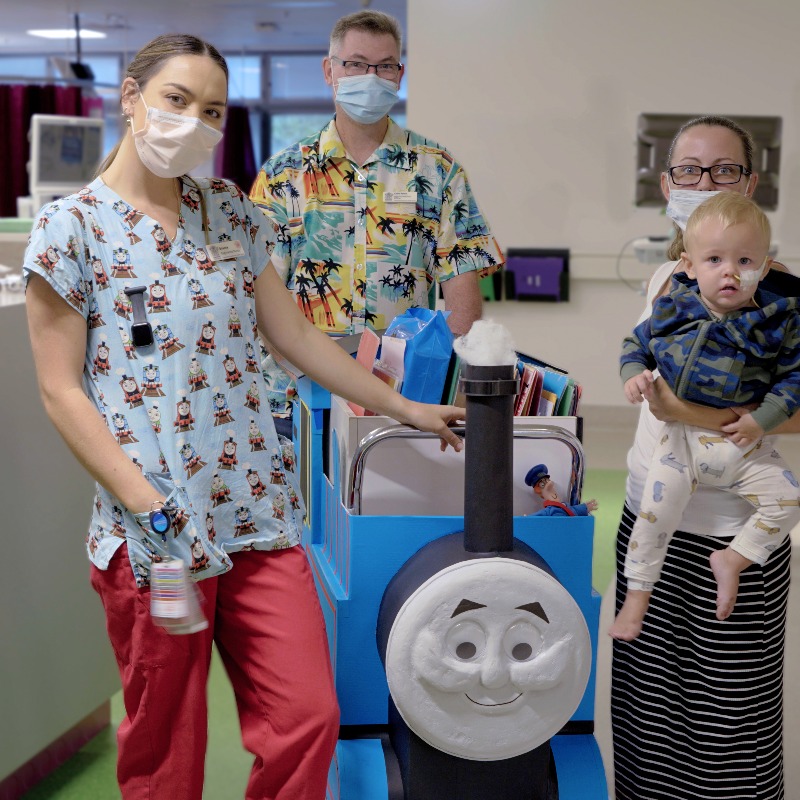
(537, 274)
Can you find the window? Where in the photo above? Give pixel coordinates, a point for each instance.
(107, 71)
(285, 93)
(245, 89)
(286, 129)
(299, 102)
(108, 76)
(244, 77)
(26, 67)
(296, 78)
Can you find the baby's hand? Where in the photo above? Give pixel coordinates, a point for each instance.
(744, 431)
(638, 387)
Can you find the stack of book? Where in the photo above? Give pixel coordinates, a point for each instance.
(544, 390)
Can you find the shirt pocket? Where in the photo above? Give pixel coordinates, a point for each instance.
(718, 373)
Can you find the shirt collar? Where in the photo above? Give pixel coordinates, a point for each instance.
(392, 151)
(329, 145)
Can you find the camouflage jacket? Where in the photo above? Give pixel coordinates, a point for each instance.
(747, 356)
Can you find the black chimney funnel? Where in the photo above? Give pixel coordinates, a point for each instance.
(488, 457)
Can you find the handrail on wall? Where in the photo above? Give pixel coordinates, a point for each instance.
(355, 477)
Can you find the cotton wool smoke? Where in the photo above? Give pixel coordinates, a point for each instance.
(487, 344)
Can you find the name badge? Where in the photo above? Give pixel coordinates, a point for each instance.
(221, 251)
(399, 197)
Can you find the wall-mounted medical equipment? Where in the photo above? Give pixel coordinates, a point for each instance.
(65, 152)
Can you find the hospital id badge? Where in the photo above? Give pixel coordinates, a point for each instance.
(399, 197)
(222, 251)
(174, 603)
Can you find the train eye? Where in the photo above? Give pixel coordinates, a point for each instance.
(466, 651)
(466, 640)
(522, 641)
(521, 651)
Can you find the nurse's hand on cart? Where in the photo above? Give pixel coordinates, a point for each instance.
(435, 419)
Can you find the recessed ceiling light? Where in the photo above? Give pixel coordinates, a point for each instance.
(66, 33)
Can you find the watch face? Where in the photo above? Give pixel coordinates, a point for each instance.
(141, 334)
(159, 521)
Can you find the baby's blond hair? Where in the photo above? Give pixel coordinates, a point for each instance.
(730, 208)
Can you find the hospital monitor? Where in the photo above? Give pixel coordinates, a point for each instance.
(65, 153)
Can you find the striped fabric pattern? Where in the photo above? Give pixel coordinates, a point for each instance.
(697, 704)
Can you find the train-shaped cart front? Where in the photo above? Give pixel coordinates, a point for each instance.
(463, 644)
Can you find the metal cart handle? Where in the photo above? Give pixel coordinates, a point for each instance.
(355, 478)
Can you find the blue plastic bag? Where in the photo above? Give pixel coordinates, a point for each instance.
(429, 344)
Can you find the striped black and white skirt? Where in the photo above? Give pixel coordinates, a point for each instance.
(697, 704)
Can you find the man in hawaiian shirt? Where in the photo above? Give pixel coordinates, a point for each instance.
(371, 217)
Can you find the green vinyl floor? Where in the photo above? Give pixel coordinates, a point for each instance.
(90, 773)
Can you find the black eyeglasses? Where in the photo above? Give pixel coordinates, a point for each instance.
(691, 174)
(390, 71)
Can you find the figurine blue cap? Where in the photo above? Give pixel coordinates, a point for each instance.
(535, 474)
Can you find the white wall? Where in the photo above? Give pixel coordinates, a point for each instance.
(538, 99)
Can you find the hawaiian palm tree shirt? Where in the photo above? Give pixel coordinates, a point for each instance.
(358, 245)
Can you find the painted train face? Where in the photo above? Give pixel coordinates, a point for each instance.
(488, 659)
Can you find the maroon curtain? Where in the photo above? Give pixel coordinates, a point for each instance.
(235, 159)
(17, 104)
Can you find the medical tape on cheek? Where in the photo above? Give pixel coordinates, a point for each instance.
(749, 278)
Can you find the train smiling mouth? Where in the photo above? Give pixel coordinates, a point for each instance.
(494, 705)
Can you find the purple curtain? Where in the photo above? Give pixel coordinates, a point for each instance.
(235, 159)
(17, 104)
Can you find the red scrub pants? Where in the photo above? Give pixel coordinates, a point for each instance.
(267, 624)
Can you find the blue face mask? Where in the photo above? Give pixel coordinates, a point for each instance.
(366, 98)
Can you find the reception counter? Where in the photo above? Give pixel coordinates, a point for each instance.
(57, 667)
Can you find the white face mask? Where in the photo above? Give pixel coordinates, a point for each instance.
(170, 145)
(682, 202)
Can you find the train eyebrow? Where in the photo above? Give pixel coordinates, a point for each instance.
(466, 605)
(535, 609)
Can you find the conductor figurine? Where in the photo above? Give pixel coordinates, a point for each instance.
(538, 478)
